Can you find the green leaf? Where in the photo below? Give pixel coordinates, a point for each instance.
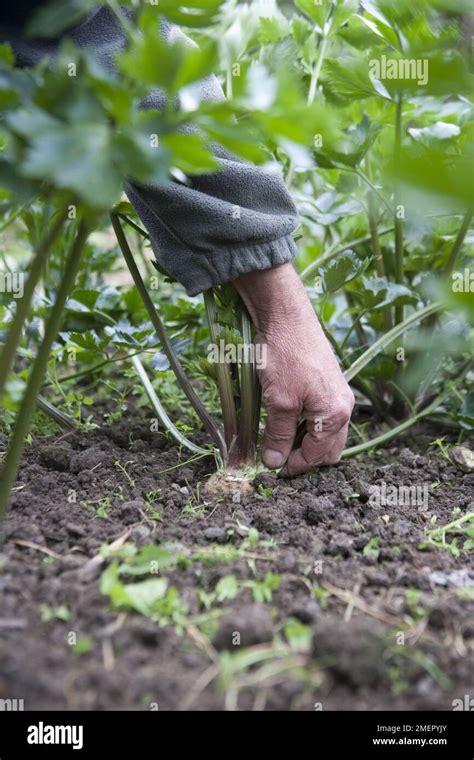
(82, 646)
(227, 588)
(343, 10)
(435, 171)
(152, 60)
(77, 157)
(317, 12)
(237, 139)
(86, 297)
(328, 17)
(141, 596)
(371, 549)
(381, 29)
(298, 635)
(272, 30)
(48, 614)
(6, 55)
(378, 292)
(190, 153)
(441, 130)
(348, 79)
(144, 595)
(344, 268)
(150, 559)
(192, 13)
(465, 415)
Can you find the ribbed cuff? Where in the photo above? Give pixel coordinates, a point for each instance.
(218, 267)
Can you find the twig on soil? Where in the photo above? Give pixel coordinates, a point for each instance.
(36, 547)
(108, 655)
(351, 605)
(99, 559)
(202, 642)
(350, 598)
(13, 624)
(201, 684)
(112, 628)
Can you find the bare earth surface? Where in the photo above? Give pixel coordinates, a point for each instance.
(344, 567)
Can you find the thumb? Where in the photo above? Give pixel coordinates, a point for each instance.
(279, 436)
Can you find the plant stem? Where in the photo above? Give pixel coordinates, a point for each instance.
(398, 222)
(385, 437)
(160, 411)
(357, 325)
(459, 240)
(7, 357)
(224, 379)
(317, 70)
(134, 226)
(354, 324)
(386, 339)
(181, 377)
(229, 89)
(249, 395)
(38, 370)
(369, 182)
(377, 252)
(61, 418)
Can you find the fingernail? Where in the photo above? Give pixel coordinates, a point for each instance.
(273, 459)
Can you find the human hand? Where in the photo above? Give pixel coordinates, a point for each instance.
(301, 376)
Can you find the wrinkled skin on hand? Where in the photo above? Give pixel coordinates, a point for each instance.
(301, 377)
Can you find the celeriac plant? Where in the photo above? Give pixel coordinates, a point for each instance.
(364, 104)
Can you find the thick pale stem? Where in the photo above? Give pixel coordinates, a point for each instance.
(249, 394)
(224, 378)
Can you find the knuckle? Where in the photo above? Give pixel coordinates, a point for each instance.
(341, 410)
(283, 405)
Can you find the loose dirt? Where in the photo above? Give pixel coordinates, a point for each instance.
(350, 570)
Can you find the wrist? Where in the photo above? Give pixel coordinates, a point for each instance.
(274, 296)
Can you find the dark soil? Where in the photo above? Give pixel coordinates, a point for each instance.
(320, 525)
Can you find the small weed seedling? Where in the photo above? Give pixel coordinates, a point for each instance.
(462, 527)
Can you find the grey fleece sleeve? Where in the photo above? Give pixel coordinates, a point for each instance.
(221, 224)
(235, 220)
